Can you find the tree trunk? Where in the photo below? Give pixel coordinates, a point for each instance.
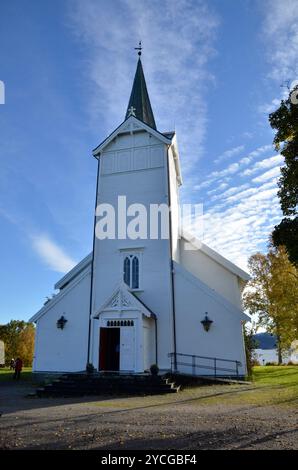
(279, 354)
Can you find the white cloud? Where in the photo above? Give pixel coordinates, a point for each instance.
(268, 175)
(229, 154)
(281, 35)
(229, 192)
(268, 108)
(243, 216)
(52, 254)
(259, 151)
(269, 162)
(177, 36)
(232, 168)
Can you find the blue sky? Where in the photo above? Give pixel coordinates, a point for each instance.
(213, 70)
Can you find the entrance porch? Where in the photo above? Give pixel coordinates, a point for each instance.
(124, 334)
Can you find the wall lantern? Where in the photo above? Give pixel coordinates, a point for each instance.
(61, 322)
(206, 322)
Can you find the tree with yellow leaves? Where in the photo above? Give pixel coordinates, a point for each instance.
(272, 294)
(18, 337)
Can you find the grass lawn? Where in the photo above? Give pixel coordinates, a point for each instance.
(6, 374)
(271, 385)
(276, 375)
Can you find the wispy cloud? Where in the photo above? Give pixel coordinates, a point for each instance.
(241, 225)
(232, 168)
(178, 39)
(53, 255)
(267, 108)
(229, 153)
(281, 36)
(276, 160)
(238, 218)
(268, 175)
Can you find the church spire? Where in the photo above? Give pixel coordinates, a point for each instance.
(139, 103)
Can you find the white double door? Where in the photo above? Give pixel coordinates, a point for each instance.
(127, 348)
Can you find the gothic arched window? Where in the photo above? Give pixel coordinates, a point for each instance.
(135, 273)
(126, 271)
(131, 270)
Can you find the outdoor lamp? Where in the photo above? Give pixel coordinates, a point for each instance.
(206, 322)
(61, 322)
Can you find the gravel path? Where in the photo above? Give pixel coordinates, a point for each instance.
(178, 421)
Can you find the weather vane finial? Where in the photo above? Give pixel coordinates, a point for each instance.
(139, 48)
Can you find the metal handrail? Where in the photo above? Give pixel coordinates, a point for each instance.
(194, 364)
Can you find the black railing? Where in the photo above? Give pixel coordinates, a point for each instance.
(193, 362)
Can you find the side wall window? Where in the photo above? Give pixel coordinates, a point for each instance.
(135, 273)
(131, 270)
(126, 270)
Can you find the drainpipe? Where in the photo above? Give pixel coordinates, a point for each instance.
(92, 266)
(156, 346)
(172, 267)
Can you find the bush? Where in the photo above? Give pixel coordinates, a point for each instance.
(154, 369)
(250, 345)
(271, 364)
(90, 368)
(255, 362)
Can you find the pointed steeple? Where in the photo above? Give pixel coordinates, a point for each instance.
(139, 103)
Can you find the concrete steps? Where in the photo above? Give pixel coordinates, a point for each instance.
(70, 385)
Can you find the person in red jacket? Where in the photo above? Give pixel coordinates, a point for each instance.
(18, 366)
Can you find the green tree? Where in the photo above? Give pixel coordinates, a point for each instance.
(18, 337)
(286, 233)
(285, 121)
(250, 345)
(272, 294)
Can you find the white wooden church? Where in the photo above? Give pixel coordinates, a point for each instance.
(132, 303)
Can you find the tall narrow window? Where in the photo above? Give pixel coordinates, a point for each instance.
(126, 271)
(131, 270)
(135, 273)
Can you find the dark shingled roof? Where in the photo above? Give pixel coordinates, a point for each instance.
(139, 99)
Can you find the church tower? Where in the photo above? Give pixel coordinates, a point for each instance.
(132, 298)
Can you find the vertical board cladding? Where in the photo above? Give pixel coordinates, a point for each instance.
(125, 160)
(149, 343)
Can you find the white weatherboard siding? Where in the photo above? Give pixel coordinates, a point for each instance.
(142, 180)
(136, 326)
(64, 350)
(223, 340)
(216, 276)
(136, 166)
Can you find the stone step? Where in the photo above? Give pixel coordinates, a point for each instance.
(82, 385)
(91, 392)
(107, 389)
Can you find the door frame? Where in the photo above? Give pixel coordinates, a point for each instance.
(104, 338)
(133, 348)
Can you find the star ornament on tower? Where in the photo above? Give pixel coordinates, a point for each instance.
(131, 111)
